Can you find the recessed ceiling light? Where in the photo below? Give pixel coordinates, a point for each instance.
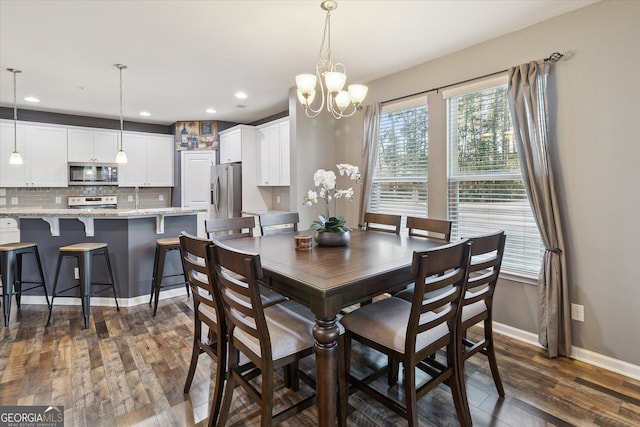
(211, 111)
(241, 95)
(145, 113)
(31, 99)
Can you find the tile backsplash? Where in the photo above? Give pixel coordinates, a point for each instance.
(57, 198)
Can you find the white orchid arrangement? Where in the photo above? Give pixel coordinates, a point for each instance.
(325, 182)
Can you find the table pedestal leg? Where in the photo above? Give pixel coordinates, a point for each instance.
(326, 334)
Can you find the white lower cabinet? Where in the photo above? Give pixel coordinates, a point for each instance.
(149, 160)
(44, 154)
(274, 153)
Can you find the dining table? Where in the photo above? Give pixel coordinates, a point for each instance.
(328, 278)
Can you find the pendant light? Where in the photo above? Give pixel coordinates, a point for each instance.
(329, 79)
(122, 156)
(16, 158)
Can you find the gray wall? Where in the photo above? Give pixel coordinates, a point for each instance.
(595, 150)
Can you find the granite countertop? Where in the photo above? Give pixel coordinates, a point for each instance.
(97, 213)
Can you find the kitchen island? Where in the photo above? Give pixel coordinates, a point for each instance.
(130, 233)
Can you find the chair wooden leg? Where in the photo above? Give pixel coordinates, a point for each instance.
(392, 372)
(228, 391)
(221, 375)
(195, 353)
(491, 355)
(410, 395)
(267, 396)
(457, 384)
(291, 377)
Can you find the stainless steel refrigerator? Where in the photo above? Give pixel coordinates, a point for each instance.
(226, 190)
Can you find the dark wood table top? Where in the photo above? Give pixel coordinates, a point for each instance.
(329, 278)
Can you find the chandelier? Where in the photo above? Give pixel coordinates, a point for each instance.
(16, 158)
(121, 157)
(331, 78)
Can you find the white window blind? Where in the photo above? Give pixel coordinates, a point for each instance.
(399, 183)
(486, 192)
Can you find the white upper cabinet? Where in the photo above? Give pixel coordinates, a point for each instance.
(232, 140)
(92, 145)
(149, 160)
(273, 153)
(44, 153)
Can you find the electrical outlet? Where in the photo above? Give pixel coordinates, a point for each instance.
(130, 198)
(14, 200)
(76, 273)
(3, 201)
(58, 200)
(160, 197)
(577, 312)
(277, 199)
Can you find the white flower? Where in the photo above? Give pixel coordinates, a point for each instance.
(349, 170)
(312, 196)
(326, 179)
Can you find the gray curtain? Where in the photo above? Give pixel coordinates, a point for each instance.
(369, 153)
(527, 94)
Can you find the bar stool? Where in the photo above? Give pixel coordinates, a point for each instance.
(164, 246)
(84, 252)
(11, 272)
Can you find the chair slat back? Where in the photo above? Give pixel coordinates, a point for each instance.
(237, 274)
(193, 254)
(429, 227)
(382, 222)
(279, 223)
(487, 252)
(230, 228)
(440, 278)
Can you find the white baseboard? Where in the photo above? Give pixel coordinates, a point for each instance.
(609, 363)
(105, 301)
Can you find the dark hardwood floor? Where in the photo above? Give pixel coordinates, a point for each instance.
(129, 368)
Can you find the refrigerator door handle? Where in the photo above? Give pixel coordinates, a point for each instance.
(215, 194)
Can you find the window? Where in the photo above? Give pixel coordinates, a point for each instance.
(399, 182)
(486, 191)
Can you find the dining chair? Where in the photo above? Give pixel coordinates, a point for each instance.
(278, 223)
(270, 338)
(413, 333)
(381, 222)
(230, 228)
(429, 227)
(208, 309)
(236, 228)
(477, 306)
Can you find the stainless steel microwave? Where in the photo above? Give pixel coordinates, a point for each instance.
(93, 173)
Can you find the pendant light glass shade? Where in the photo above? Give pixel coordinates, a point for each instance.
(121, 157)
(16, 158)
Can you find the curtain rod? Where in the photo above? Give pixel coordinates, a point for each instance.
(553, 58)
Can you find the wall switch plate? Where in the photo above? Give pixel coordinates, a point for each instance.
(160, 196)
(577, 312)
(277, 199)
(14, 200)
(58, 200)
(130, 198)
(76, 273)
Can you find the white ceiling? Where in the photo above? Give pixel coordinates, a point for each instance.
(187, 56)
